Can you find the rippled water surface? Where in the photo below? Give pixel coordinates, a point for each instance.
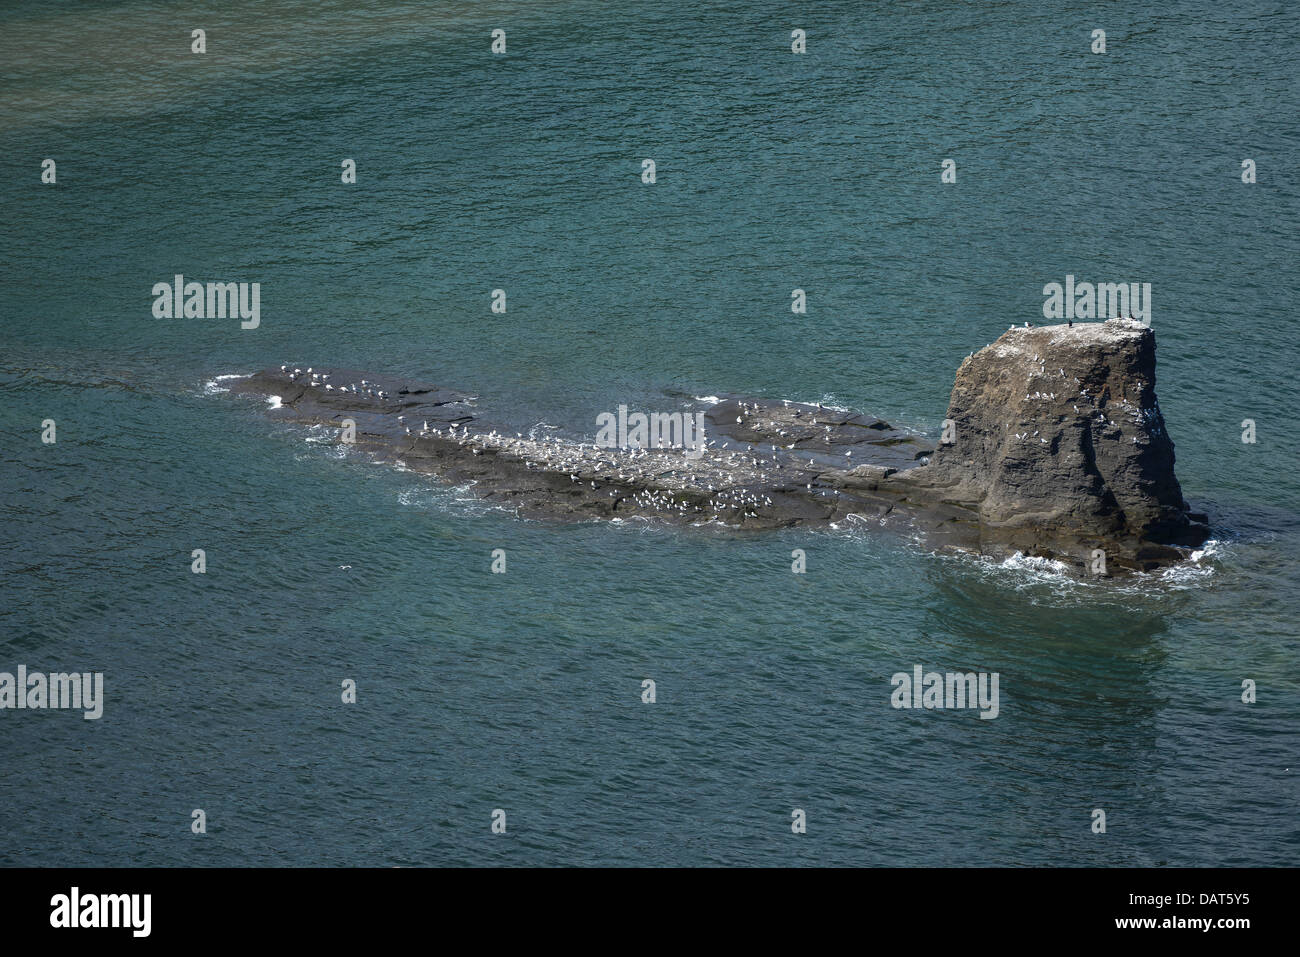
(523, 691)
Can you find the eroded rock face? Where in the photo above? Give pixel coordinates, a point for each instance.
(1058, 448)
(1059, 445)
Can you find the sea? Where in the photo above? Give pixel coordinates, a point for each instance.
(504, 719)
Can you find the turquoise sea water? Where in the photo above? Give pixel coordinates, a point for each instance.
(523, 691)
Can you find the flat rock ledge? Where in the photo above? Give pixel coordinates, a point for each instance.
(1054, 447)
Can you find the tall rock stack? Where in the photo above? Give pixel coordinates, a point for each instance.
(1060, 447)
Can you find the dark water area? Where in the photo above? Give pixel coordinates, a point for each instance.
(522, 171)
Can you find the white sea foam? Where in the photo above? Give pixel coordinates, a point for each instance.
(1023, 572)
(1196, 571)
(213, 386)
(828, 402)
(419, 496)
(713, 521)
(532, 433)
(1036, 564)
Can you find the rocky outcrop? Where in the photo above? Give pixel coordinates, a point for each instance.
(1058, 444)
(1054, 446)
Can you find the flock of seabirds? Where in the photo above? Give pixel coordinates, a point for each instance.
(754, 457)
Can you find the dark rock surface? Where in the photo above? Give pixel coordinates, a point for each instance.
(1058, 448)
